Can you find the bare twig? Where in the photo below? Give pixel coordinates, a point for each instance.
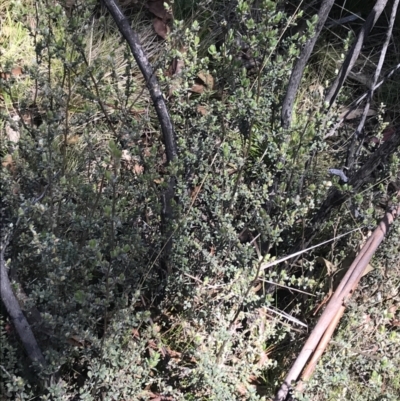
(295, 254)
(355, 51)
(378, 68)
(358, 101)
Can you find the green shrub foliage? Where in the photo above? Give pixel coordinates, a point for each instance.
(82, 194)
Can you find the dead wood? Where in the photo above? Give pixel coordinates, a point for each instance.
(297, 73)
(354, 52)
(333, 311)
(17, 316)
(352, 148)
(160, 106)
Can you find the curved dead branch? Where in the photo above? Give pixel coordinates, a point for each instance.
(151, 80)
(161, 109)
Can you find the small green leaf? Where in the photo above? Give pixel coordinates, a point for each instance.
(212, 50)
(79, 296)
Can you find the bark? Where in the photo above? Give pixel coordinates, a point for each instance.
(17, 317)
(297, 73)
(157, 97)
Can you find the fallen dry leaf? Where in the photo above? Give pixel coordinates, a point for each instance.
(77, 341)
(176, 67)
(161, 27)
(138, 169)
(195, 192)
(317, 89)
(206, 78)
(197, 88)
(73, 139)
(330, 267)
(156, 7)
(202, 110)
(15, 73)
(7, 161)
(355, 113)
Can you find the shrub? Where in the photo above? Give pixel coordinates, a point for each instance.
(83, 191)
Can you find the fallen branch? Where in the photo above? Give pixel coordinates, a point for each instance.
(333, 311)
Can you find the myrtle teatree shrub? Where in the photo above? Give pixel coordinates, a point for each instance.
(73, 200)
(83, 186)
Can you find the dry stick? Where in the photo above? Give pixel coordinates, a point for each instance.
(348, 283)
(309, 369)
(357, 102)
(298, 69)
(355, 51)
(293, 255)
(262, 266)
(380, 63)
(378, 68)
(159, 104)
